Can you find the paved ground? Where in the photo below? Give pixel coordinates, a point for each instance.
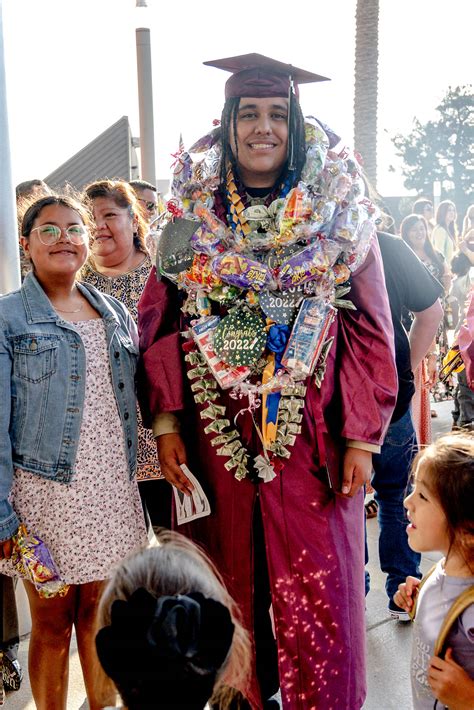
(388, 641)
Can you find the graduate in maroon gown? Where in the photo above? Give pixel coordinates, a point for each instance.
(267, 366)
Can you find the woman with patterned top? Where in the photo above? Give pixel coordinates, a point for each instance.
(119, 265)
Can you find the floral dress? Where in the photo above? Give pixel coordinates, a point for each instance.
(91, 523)
(128, 288)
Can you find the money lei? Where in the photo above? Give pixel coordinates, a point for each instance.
(223, 436)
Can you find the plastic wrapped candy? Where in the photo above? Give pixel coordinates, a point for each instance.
(307, 337)
(356, 256)
(308, 263)
(318, 143)
(323, 212)
(199, 274)
(342, 273)
(239, 270)
(339, 182)
(297, 210)
(349, 222)
(32, 560)
(204, 241)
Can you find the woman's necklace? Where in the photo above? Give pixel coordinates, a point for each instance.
(63, 310)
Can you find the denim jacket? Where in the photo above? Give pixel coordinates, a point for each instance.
(42, 386)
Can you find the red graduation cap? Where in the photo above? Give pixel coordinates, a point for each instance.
(257, 76)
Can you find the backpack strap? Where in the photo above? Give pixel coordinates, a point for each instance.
(412, 613)
(459, 605)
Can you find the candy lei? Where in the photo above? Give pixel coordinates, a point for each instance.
(281, 271)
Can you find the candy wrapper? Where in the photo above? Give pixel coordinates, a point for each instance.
(308, 263)
(32, 560)
(239, 270)
(226, 375)
(307, 337)
(336, 181)
(317, 146)
(297, 210)
(199, 275)
(205, 241)
(357, 255)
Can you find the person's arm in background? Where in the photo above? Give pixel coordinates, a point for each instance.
(160, 376)
(422, 332)
(464, 246)
(9, 522)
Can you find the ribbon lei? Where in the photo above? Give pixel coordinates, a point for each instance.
(276, 343)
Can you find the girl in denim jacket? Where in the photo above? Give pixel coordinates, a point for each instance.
(67, 438)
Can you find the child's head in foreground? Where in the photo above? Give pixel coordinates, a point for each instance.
(441, 506)
(169, 633)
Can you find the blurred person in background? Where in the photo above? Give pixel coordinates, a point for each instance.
(152, 206)
(468, 223)
(444, 235)
(424, 207)
(414, 231)
(26, 193)
(119, 265)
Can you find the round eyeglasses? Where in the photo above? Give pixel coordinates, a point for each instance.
(50, 234)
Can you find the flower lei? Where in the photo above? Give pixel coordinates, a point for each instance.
(312, 237)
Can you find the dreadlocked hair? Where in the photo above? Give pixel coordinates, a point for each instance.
(229, 172)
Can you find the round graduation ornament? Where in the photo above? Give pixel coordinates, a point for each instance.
(240, 338)
(174, 253)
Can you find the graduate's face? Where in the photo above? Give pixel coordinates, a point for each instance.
(261, 140)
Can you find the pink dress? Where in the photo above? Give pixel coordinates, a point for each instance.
(96, 520)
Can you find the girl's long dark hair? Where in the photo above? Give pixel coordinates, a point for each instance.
(441, 213)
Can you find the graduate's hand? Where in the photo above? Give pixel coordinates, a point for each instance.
(172, 453)
(6, 549)
(405, 596)
(356, 471)
(450, 683)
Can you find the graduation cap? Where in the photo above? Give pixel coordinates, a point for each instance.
(257, 76)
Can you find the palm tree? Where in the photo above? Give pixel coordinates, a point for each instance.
(366, 78)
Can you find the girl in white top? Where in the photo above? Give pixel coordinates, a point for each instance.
(441, 514)
(444, 235)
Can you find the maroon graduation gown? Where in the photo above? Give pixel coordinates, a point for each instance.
(314, 538)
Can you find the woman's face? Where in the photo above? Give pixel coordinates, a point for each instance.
(261, 140)
(450, 214)
(115, 226)
(63, 257)
(417, 235)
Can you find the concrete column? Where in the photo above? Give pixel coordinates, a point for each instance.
(9, 252)
(145, 103)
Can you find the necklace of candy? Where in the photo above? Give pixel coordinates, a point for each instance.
(279, 271)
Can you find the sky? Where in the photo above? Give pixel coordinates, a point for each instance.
(71, 68)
